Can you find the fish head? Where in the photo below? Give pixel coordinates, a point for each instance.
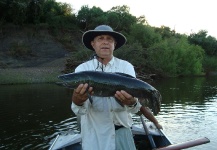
(72, 80)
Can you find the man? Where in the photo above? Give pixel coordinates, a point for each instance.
(105, 121)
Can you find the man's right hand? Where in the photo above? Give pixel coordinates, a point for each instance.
(80, 94)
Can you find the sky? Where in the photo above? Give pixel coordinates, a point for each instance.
(185, 16)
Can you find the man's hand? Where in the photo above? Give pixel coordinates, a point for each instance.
(80, 94)
(125, 98)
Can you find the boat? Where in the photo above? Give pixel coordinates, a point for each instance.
(146, 136)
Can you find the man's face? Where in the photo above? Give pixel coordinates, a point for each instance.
(104, 45)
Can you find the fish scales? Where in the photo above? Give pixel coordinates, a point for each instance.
(106, 84)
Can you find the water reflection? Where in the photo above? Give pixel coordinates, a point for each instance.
(189, 109)
(32, 115)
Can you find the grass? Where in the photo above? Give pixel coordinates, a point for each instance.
(29, 75)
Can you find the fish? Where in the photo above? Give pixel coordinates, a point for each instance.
(105, 84)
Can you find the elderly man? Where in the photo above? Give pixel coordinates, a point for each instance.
(105, 121)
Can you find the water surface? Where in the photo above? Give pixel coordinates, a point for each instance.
(32, 115)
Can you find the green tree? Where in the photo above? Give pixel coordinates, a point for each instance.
(175, 57)
(17, 12)
(142, 20)
(89, 18)
(135, 54)
(208, 43)
(144, 34)
(165, 32)
(58, 14)
(123, 19)
(3, 9)
(34, 11)
(190, 59)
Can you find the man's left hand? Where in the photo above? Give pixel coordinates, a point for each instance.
(125, 98)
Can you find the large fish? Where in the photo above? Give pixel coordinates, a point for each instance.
(106, 84)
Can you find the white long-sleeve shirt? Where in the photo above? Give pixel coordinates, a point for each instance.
(98, 118)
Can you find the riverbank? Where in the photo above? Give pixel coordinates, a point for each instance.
(29, 75)
(38, 55)
(45, 73)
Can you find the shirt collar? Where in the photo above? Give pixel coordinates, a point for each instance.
(111, 62)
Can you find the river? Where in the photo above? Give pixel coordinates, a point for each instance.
(33, 114)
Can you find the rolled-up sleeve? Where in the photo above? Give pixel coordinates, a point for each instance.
(78, 110)
(134, 109)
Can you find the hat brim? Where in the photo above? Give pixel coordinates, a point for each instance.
(91, 34)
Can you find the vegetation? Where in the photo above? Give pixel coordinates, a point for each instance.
(150, 49)
(29, 75)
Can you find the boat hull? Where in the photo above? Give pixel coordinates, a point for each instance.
(72, 141)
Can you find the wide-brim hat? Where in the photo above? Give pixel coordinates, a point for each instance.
(88, 36)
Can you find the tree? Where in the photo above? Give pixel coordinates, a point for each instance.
(165, 32)
(142, 20)
(208, 43)
(16, 11)
(176, 57)
(123, 19)
(144, 34)
(89, 18)
(34, 11)
(58, 14)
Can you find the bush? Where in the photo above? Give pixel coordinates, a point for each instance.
(210, 63)
(176, 57)
(135, 54)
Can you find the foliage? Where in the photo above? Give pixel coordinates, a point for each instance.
(142, 20)
(143, 34)
(58, 14)
(81, 55)
(175, 57)
(210, 63)
(34, 11)
(88, 18)
(77, 57)
(165, 32)
(124, 20)
(135, 54)
(157, 50)
(17, 12)
(62, 22)
(208, 43)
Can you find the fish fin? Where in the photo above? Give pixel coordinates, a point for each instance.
(59, 83)
(119, 102)
(124, 74)
(89, 96)
(65, 85)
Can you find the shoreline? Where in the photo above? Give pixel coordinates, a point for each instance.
(29, 75)
(43, 74)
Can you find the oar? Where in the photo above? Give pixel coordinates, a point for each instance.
(147, 113)
(187, 144)
(150, 138)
